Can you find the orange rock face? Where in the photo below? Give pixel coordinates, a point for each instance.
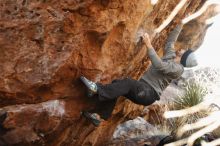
(45, 45)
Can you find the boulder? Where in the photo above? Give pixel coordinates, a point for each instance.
(46, 45)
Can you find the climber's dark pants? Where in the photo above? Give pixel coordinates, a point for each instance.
(128, 88)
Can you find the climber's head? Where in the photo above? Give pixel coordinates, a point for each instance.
(188, 59)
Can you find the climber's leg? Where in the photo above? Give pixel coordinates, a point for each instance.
(110, 91)
(143, 94)
(137, 91)
(117, 88)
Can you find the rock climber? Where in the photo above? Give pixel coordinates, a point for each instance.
(150, 86)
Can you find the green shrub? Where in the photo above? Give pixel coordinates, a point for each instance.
(194, 95)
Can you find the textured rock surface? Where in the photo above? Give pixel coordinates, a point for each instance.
(45, 45)
(137, 132)
(191, 36)
(135, 128)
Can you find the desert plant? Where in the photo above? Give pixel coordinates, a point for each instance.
(194, 95)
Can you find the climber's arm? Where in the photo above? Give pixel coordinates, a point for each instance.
(155, 59)
(169, 68)
(169, 47)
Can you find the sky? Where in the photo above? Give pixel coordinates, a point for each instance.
(209, 53)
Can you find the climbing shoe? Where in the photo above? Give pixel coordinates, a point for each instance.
(91, 86)
(92, 117)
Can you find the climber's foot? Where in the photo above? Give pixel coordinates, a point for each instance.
(91, 86)
(92, 117)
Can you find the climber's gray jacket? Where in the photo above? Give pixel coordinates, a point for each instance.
(163, 71)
